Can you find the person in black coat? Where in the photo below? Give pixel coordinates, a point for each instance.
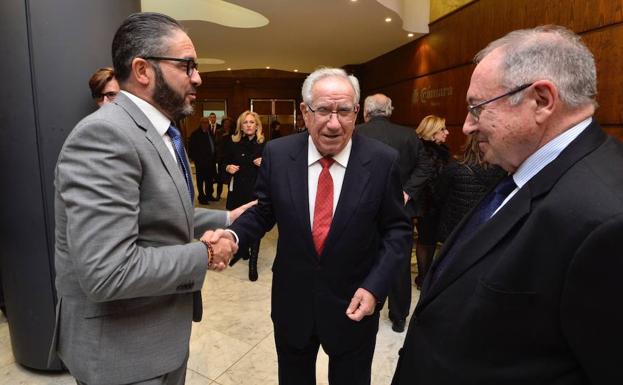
(202, 151)
(415, 168)
(223, 136)
(243, 157)
(461, 185)
(433, 132)
(275, 129)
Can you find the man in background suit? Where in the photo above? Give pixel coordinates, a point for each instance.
(202, 149)
(332, 272)
(128, 277)
(530, 296)
(414, 168)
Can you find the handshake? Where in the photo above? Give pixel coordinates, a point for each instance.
(221, 243)
(222, 247)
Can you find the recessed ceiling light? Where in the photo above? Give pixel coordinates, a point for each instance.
(388, 19)
(298, 70)
(267, 67)
(410, 35)
(353, 1)
(228, 69)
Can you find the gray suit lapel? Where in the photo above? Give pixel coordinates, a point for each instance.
(165, 155)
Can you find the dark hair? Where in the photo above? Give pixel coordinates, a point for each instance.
(99, 79)
(140, 35)
(471, 153)
(274, 124)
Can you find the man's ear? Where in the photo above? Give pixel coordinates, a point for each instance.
(141, 71)
(546, 98)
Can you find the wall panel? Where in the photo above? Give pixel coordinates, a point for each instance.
(442, 59)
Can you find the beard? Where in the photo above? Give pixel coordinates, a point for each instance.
(171, 102)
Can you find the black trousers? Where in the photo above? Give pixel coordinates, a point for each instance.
(399, 297)
(205, 179)
(297, 366)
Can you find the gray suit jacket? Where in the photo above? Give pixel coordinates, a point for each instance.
(125, 270)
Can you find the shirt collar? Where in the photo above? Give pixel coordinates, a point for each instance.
(340, 158)
(160, 122)
(546, 154)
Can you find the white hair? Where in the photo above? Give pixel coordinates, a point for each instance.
(547, 52)
(326, 72)
(378, 106)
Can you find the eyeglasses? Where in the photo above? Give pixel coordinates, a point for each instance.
(191, 64)
(344, 114)
(110, 95)
(476, 110)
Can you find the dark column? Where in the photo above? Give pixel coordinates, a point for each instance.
(49, 50)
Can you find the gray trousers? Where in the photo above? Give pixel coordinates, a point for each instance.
(176, 377)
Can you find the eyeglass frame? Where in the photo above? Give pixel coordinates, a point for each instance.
(111, 95)
(355, 109)
(191, 64)
(476, 110)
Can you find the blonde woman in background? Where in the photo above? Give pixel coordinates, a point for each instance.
(243, 157)
(433, 133)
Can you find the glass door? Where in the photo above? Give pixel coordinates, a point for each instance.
(276, 110)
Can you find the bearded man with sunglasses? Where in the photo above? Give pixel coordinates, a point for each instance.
(526, 289)
(128, 276)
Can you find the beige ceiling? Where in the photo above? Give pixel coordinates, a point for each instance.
(294, 34)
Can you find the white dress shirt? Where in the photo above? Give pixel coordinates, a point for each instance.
(337, 170)
(160, 122)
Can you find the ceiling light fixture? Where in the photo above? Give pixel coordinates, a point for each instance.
(295, 70)
(410, 35)
(267, 67)
(229, 69)
(388, 19)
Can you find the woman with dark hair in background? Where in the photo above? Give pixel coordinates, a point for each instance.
(461, 185)
(104, 87)
(432, 131)
(243, 157)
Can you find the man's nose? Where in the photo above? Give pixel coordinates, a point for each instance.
(195, 79)
(469, 126)
(333, 121)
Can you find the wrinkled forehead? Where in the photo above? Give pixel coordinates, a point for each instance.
(333, 90)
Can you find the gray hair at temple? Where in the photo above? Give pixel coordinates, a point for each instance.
(378, 105)
(547, 52)
(325, 72)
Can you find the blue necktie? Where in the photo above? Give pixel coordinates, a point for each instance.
(485, 209)
(176, 138)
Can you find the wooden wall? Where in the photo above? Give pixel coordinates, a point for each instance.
(431, 75)
(239, 87)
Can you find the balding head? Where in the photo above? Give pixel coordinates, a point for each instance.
(377, 105)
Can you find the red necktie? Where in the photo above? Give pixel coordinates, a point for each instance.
(323, 211)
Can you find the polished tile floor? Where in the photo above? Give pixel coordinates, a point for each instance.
(234, 344)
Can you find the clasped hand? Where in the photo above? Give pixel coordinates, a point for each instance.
(223, 248)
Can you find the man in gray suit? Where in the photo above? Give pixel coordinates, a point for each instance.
(128, 277)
